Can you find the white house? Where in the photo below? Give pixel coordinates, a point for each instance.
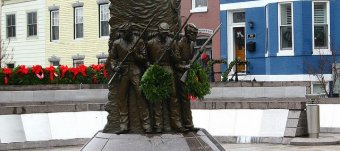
(23, 29)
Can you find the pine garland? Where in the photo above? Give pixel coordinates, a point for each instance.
(156, 84)
(197, 83)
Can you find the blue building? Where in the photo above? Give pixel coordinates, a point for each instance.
(283, 40)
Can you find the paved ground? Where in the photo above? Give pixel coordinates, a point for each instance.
(272, 147)
(236, 147)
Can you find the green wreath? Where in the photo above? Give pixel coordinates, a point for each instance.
(197, 83)
(156, 83)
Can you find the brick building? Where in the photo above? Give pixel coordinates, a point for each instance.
(206, 16)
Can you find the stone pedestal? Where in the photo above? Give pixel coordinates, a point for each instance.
(199, 141)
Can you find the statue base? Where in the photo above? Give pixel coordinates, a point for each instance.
(192, 141)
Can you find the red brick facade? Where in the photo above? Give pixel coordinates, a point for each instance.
(206, 20)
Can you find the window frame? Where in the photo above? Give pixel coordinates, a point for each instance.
(75, 21)
(267, 32)
(35, 25)
(195, 9)
(78, 60)
(11, 26)
(286, 51)
(316, 50)
(102, 60)
(51, 25)
(100, 20)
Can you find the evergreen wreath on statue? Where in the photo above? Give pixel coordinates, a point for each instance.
(197, 83)
(156, 83)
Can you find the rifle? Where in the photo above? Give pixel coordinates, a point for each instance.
(131, 50)
(173, 40)
(184, 76)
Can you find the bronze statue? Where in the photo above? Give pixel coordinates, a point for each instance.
(130, 74)
(155, 49)
(185, 48)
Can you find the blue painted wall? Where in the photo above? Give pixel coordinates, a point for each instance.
(303, 62)
(335, 25)
(258, 16)
(273, 29)
(223, 43)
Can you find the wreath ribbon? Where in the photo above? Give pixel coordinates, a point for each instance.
(38, 71)
(7, 72)
(23, 70)
(82, 69)
(75, 72)
(63, 69)
(52, 72)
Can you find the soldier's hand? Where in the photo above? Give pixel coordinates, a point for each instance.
(187, 66)
(117, 69)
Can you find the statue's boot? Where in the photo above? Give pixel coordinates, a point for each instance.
(122, 131)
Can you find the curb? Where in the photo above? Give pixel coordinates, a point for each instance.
(42, 144)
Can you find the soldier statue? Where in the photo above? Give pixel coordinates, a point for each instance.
(185, 52)
(129, 76)
(155, 48)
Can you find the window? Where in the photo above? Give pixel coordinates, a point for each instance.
(239, 17)
(55, 63)
(199, 5)
(32, 24)
(104, 20)
(102, 60)
(10, 65)
(54, 25)
(78, 22)
(267, 32)
(78, 62)
(285, 23)
(205, 58)
(321, 28)
(10, 25)
(54, 60)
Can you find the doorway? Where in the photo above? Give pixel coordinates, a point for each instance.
(239, 48)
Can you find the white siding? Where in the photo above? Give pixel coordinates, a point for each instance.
(26, 50)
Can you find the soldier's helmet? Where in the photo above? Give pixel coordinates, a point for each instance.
(124, 27)
(164, 27)
(190, 27)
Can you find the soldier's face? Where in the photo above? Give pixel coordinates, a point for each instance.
(127, 34)
(163, 35)
(191, 35)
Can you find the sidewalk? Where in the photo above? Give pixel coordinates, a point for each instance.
(326, 142)
(231, 147)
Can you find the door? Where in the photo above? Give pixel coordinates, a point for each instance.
(239, 48)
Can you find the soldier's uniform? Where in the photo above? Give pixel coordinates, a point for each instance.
(185, 52)
(130, 74)
(155, 48)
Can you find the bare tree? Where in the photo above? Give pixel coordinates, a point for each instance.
(6, 54)
(325, 64)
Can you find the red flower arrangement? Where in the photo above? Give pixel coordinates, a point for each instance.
(38, 71)
(23, 70)
(192, 98)
(7, 72)
(52, 72)
(23, 75)
(63, 70)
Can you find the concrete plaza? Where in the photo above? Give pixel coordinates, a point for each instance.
(232, 147)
